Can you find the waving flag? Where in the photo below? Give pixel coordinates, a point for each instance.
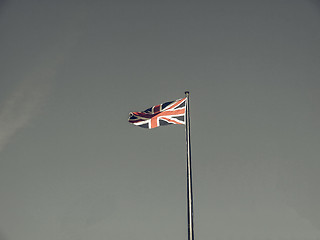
(159, 115)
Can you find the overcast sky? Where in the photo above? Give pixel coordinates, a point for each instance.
(73, 168)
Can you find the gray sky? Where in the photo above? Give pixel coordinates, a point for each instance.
(72, 168)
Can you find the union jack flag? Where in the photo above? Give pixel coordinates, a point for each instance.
(164, 114)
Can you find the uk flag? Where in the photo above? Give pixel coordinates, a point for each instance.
(164, 114)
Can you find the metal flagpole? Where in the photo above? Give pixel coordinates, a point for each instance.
(189, 172)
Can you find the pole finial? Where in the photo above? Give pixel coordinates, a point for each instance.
(186, 92)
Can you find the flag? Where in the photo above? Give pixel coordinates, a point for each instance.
(164, 114)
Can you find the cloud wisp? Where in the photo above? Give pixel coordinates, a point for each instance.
(31, 93)
(21, 106)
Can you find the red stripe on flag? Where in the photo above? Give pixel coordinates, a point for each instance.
(154, 122)
(171, 120)
(173, 112)
(177, 103)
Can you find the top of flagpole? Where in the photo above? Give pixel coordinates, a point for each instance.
(186, 93)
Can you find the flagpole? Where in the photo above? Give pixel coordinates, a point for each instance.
(189, 172)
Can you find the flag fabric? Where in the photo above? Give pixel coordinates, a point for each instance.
(164, 114)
